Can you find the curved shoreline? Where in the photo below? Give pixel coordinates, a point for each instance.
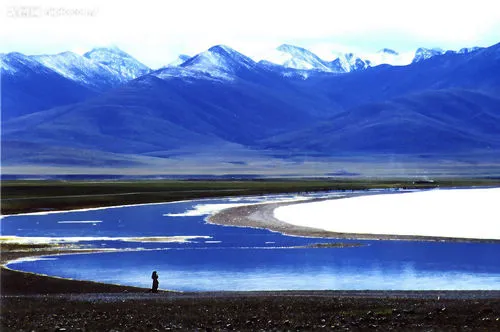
(15, 282)
(262, 216)
(33, 301)
(255, 216)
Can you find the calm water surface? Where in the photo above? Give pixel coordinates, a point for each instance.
(233, 258)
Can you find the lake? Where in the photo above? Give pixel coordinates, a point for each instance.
(191, 255)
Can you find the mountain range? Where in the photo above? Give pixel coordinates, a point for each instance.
(40, 82)
(221, 111)
(294, 57)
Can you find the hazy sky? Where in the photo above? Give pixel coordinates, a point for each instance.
(155, 32)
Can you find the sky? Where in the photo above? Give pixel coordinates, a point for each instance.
(156, 32)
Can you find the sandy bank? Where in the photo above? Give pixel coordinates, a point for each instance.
(467, 215)
(262, 216)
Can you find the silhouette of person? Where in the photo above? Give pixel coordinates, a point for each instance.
(154, 276)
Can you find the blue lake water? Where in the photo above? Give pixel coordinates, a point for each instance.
(235, 258)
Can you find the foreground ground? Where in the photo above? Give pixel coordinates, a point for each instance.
(383, 311)
(38, 303)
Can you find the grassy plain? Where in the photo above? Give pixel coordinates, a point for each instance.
(21, 196)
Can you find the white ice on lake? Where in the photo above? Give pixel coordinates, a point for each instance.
(79, 222)
(457, 213)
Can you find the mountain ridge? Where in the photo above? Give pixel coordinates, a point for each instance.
(28, 79)
(221, 99)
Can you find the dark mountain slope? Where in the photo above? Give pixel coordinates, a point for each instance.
(214, 97)
(40, 82)
(28, 86)
(445, 121)
(479, 70)
(151, 113)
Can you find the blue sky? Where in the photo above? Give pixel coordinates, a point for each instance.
(156, 32)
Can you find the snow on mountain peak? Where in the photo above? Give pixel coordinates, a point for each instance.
(100, 68)
(105, 67)
(119, 61)
(426, 53)
(295, 57)
(219, 62)
(105, 52)
(222, 49)
(292, 49)
(387, 56)
(347, 62)
(467, 50)
(13, 61)
(179, 60)
(228, 57)
(77, 68)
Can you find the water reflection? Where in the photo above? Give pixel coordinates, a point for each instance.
(281, 269)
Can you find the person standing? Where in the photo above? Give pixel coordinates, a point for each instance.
(154, 276)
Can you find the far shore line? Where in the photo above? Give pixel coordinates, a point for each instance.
(42, 213)
(51, 196)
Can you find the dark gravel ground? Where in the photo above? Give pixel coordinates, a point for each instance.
(281, 311)
(37, 303)
(32, 302)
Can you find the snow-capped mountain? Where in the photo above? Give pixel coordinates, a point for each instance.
(426, 53)
(295, 57)
(347, 62)
(219, 58)
(291, 61)
(387, 56)
(31, 83)
(467, 50)
(218, 62)
(100, 68)
(424, 110)
(15, 62)
(28, 86)
(179, 60)
(80, 69)
(120, 62)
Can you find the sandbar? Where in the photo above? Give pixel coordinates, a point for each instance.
(437, 215)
